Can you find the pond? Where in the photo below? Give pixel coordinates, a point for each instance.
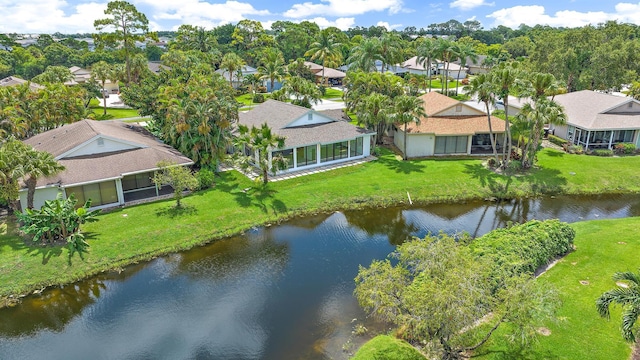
(281, 292)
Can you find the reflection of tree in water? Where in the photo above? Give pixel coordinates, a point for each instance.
(390, 222)
(51, 310)
(234, 257)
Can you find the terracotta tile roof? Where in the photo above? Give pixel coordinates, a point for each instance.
(456, 125)
(434, 102)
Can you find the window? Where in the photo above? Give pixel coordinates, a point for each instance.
(99, 194)
(451, 144)
(335, 151)
(310, 116)
(306, 155)
(100, 142)
(459, 108)
(287, 154)
(355, 147)
(137, 181)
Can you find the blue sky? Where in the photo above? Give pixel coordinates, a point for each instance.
(71, 16)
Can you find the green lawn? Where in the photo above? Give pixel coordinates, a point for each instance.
(387, 347)
(245, 99)
(117, 113)
(332, 94)
(142, 232)
(603, 247)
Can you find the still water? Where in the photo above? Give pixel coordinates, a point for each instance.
(283, 292)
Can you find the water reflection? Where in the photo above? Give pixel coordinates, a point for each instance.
(283, 292)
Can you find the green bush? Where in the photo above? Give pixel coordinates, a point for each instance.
(387, 347)
(206, 178)
(573, 149)
(603, 152)
(515, 165)
(522, 249)
(258, 98)
(624, 149)
(104, 117)
(556, 140)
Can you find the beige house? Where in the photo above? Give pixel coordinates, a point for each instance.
(109, 162)
(331, 76)
(450, 128)
(81, 75)
(598, 120)
(15, 81)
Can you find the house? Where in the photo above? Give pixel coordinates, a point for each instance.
(331, 76)
(312, 138)
(597, 120)
(81, 75)
(397, 70)
(156, 67)
(450, 128)
(238, 76)
(437, 68)
(475, 66)
(15, 81)
(109, 162)
(414, 67)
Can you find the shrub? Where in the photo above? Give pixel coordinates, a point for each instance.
(492, 163)
(323, 89)
(258, 98)
(515, 155)
(573, 149)
(624, 149)
(515, 165)
(206, 178)
(465, 81)
(556, 140)
(602, 152)
(261, 89)
(522, 249)
(387, 347)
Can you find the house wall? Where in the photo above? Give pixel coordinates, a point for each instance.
(631, 107)
(473, 70)
(39, 197)
(315, 119)
(94, 147)
(464, 111)
(560, 131)
(418, 145)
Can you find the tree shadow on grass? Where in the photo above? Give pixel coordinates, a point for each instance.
(515, 354)
(174, 211)
(540, 181)
(402, 166)
(263, 195)
(241, 196)
(556, 153)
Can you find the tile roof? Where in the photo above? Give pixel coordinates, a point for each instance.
(456, 125)
(584, 109)
(15, 81)
(94, 167)
(278, 115)
(434, 102)
(331, 73)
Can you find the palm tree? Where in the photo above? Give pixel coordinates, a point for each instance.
(390, 49)
(39, 164)
(232, 63)
(101, 71)
(543, 112)
(273, 67)
(465, 52)
(261, 140)
(252, 81)
(504, 79)
(364, 55)
(407, 109)
(426, 53)
(628, 297)
(446, 52)
(373, 112)
(482, 88)
(326, 48)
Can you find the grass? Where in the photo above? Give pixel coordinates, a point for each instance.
(116, 113)
(245, 99)
(332, 94)
(139, 233)
(387, 347)
(603, 247)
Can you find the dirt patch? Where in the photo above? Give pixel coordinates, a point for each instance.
(621, 242)
(635, 355)
(543, 331)
(584, 282)
(622, 284)
(574, 263)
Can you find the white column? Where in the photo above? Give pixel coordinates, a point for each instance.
(119, 191)
(610, 139)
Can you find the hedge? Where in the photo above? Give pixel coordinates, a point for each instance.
(387, 347)
(525, 248)
(556, 140)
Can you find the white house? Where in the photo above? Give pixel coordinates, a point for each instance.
(109, 162)
(312, 138)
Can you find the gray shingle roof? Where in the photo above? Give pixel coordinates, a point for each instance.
(277, 115)
(585, 109)
(89, 168)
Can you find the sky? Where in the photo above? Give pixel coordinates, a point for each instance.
(77, 16)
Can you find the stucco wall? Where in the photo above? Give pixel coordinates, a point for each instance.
(418, 145)
(465, 110)
(107, 146)
(39, 197)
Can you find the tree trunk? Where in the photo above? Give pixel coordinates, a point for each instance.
(404, 153)
(493, 140)
(31, 190)
(508, 130)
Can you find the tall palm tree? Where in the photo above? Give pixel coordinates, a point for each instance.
(504, 78)
(465, 51)
(543, 112)
(101, 71)
(407, 109)
(427, 51)
(39, 164)
(446, 52)
(482, 88)
(272, 68)
(232, 63)
(373, 112)
(325, 48)
(261, 140)
(364, 55)
(628, 297)
(390, 49)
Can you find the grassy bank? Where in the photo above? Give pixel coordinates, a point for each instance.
(142, 232)
(603, 247)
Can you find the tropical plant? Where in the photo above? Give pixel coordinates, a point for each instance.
(59, 220)
(233, 64)
(407, 109)
(446, 50)
(304, 92)
(504, 78)
(427, 51)
(272, 68)
(101, 71)
(12, 158)
(260, 142)
(180, 178)
(537, 115)
(325, 48)
(373, 112)
(391, 45)
(627, 295)
(364, 55)
(38, 164)
(481, 87)
(464, 52)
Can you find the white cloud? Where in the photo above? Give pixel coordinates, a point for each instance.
(535, 14)
(342, 23)
(343, 8)
(387, 26)
(202, 13)
(469, 4)
(48, 16)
